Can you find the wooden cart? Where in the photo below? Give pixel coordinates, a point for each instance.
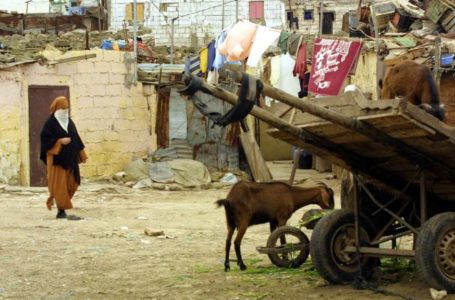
(403, 172)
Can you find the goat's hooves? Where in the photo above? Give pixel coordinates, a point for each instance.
(242, 267)
(227, 269)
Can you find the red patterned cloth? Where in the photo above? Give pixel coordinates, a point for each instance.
(332, 61)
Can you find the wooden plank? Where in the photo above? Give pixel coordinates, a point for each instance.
(335, 133)
(398, 126)
(423, 117)
(259, 169)
(440, 186)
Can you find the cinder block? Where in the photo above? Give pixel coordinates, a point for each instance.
(112, 146)
(102, 67)
(96, 90)
(118, 68)
(94, 136)
(85, 67)
(90, 78)
(66, 68)
(108, 169)
(116, 78)
(121, 124)
(88, 170)
(84, 102)
(114, 89)
(139, 124)
(110, 135)
(111, 56)
(127, 135)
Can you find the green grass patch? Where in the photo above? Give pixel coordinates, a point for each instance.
(394, 265)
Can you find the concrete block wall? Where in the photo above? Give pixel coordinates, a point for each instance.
(12, 132)
(194, 29)
(340, 7)
(115, 122)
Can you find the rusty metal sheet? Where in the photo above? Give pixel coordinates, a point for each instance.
(177, 116)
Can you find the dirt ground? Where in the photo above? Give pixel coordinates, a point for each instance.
(108, 256)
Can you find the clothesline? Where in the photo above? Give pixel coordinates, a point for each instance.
(279, 58)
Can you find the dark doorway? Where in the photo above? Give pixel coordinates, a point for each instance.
(327, 22)
(39, 100)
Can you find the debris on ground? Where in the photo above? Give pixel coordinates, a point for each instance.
(437, 295)
(153, 232)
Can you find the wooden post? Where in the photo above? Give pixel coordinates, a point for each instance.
(437, 61)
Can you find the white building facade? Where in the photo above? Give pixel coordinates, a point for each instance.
(197, 21)
(21, 6)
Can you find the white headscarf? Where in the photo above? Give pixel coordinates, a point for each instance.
(62, 117)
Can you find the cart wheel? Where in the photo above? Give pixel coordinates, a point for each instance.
(435, 251)
(294, 252)
(330, 236)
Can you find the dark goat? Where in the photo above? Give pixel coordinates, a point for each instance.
(250, 203)
(414, 82)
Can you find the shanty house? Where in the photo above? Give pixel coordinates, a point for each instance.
(114, 118)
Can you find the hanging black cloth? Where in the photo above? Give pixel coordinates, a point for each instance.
(68, 158)
(250, 91)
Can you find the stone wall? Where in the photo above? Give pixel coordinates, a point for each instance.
(194, 29)
(114, 121)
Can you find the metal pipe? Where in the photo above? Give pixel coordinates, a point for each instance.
(222, 15)
(236, 10)
(99, 15)
(357, 220)
(134, 39)
(376, 37)
(423, 198)
(321, 15)
(172, 39)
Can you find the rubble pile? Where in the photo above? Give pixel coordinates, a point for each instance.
(408, 30)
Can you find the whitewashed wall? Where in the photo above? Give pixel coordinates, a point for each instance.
(339, 7)
(36, 6)
(194, 29)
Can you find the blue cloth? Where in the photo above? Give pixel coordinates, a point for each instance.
(219, 58)
(212, 55)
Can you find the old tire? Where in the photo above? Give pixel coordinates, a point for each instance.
(292, 258)
(330, 235)
(435, 252)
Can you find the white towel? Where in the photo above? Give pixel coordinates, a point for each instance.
(265, 37)
(288, 82)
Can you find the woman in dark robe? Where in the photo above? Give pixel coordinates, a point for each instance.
(61, 150)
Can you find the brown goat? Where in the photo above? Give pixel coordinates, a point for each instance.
(250, 203)
(414, 82)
